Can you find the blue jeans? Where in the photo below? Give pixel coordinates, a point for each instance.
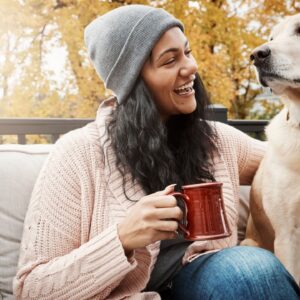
(234, 273)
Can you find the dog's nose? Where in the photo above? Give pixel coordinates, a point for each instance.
(260, 54)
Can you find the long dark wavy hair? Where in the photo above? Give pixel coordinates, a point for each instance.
(158, 153)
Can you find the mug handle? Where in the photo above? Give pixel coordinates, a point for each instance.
(183, 198)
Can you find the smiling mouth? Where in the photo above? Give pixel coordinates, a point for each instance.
(185, 89)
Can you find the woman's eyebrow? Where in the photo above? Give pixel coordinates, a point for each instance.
(171, 50)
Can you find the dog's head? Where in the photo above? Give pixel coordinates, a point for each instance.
(278, 61)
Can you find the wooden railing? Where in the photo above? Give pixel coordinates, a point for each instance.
(36, 126)
(54, 127)
(255, 128)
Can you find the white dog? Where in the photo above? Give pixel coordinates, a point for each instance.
(274, 221)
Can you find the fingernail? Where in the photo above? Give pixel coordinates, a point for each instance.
(171, 185)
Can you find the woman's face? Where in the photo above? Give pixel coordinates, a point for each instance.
(169, 74)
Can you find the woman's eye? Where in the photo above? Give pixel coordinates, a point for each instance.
(168, 62)
(188, 52)
(171, 60)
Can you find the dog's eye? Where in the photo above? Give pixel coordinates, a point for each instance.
(298, 30)
(271, 38)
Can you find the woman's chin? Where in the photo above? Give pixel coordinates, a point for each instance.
(188, 107)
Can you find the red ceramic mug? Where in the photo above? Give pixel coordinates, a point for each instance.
(204, 211)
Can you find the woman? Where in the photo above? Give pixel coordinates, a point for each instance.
(101, 204)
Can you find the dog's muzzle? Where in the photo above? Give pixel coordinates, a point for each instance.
(261, 56)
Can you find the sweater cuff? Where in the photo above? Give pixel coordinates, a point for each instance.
(105, 257)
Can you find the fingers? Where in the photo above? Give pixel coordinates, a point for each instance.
(164, 201)
(166, 191)
(168, 213)
(167, 225)
(161, 198)
(166, 235)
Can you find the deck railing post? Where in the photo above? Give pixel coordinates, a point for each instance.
(218, 112)
(21, 139)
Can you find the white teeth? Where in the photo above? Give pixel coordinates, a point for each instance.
(185, 91)
(188, 87)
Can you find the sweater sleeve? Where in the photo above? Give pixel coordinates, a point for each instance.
(249, 151)
(57, 259)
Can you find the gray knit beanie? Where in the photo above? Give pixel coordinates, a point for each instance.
(120, 41)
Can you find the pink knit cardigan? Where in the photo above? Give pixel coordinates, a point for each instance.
(70, 247)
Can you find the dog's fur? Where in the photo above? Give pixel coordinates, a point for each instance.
(274, 221)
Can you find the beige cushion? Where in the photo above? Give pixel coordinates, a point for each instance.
(243, 211)
(19, 167)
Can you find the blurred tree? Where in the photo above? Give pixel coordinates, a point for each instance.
(269, 108)
(222, 34)
(23, 80)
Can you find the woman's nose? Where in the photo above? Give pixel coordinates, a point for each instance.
(189, 67)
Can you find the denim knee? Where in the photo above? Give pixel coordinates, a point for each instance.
(248, 261)
(236, 273)
(246, 272)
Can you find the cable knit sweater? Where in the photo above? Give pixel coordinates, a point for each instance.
(70, 247)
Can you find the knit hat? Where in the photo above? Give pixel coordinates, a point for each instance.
(120, 41)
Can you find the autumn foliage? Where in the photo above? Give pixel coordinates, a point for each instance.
(34, 32)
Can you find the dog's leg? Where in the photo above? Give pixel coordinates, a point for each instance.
(251, 234)
(259, 232)
(287, 249)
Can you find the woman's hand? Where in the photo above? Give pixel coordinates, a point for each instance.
(154, 217)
